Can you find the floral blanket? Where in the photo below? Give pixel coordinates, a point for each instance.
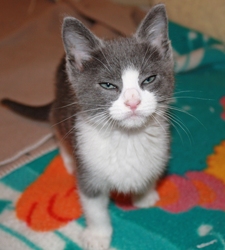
(40, 209)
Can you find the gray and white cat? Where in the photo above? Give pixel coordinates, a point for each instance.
(110, 116)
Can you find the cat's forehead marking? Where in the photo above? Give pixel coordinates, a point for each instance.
(130, 78)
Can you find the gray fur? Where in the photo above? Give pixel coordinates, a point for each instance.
(104, 61)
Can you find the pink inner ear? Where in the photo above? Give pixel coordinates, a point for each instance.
(157, 41)
(80, 56)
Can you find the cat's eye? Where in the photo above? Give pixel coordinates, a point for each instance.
(107, 85)
(149, 80)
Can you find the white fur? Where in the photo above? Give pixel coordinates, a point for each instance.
(120, 160)
(131, 91)
(146, 199)
(68, 160)
(97, 236)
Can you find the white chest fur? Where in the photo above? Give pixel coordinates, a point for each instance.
(122, 161)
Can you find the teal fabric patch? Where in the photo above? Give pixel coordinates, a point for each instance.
(22, 177)
(185, 40)
(197, 126)
(195, 50)
(129, 235)
(183, 231)
(4, 204)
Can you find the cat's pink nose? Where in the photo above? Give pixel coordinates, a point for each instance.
(132, 98)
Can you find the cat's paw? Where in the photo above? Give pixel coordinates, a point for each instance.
(94, 240)
(146, 200)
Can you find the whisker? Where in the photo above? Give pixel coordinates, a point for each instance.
(79, 112)
(112, 124)
(187, 113)
(174, 119)
(88, 110)
(68, 105)
(144, 57)
(109, 122)
(196, 98)
(187, 91)
(105, 57)
(170, 107)
(64, 120)
(99, 119)
(102, 113)
(158, 123)
(67, 134)
(102, 63)
(177, 130)
(185, 97)
(84, 103)
(174, 125)
(142, 66)
(182, 126)
(106, 121)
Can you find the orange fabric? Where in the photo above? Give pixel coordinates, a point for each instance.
(216, 162)
(51, 201)
(206, 194)
(168, 193)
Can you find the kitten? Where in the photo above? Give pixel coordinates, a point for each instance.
(110, 116)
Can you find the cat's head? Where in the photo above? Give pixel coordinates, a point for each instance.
(125, 81)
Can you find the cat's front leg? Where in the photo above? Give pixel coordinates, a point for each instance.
(147, 198)
(97, 235)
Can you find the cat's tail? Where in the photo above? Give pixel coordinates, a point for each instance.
(38, 113)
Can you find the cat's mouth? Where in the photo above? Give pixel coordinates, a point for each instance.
(133, 119)
(133, 114)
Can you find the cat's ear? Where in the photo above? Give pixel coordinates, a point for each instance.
(79, 42)
(154, 28)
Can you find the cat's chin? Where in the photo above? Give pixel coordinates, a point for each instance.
(133, 122)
